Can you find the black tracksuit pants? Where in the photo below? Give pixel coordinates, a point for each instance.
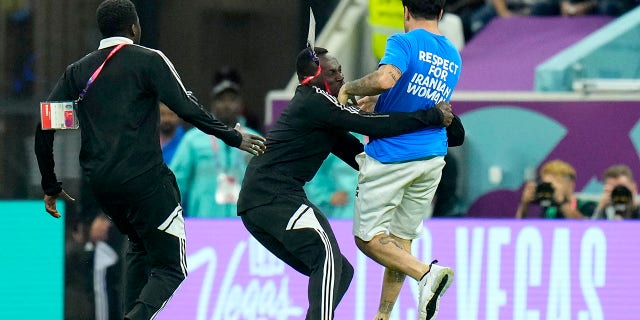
(300, 235)
(147, 209)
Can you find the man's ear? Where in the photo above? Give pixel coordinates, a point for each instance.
(407, 15)
(441, 14)
(134, 30)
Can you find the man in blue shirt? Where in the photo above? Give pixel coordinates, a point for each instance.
(399, 175)
(208, 172)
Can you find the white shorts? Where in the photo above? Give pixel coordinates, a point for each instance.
(395, 197)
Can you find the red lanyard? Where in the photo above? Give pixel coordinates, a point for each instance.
(214, 144)
(97, 72)
(306, 80)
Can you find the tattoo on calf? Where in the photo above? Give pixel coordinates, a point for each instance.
(397, 276)
(386, 240)
(386, 306)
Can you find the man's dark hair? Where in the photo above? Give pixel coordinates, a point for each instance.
(424, 9)
(305, 66)
(115, 17)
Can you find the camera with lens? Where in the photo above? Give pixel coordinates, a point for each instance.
(621, 198)
(544, 194)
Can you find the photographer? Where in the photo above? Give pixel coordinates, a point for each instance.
(619, 198)
(554, 193)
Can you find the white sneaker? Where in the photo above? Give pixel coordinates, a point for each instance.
(432, 286)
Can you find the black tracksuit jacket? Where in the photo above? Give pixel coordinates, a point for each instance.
(313, 125)
(119, 116)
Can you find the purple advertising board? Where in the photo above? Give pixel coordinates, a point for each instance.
(516, 136)
(504, 269)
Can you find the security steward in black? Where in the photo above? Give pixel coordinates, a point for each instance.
(273, 205)
(121, 155)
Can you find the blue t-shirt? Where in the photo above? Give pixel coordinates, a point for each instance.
(430, 66)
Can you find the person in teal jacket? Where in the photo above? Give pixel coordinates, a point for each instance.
(209, 173)
(333, 189)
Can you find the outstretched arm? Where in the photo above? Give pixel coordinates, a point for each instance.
(172, 92)
(350, 118)
(347, 147)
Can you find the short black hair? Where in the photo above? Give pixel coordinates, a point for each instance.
(115, 17)
(425, 9)
(305, 66)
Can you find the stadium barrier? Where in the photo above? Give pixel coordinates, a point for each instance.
(505, 269)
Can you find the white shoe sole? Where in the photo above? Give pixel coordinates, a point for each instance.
(439, 287)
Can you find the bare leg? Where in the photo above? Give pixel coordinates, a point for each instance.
(387, 251)
(392, 282)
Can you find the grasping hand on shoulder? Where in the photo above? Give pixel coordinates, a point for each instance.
(251, 143)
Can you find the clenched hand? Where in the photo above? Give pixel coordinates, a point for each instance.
(447, 113)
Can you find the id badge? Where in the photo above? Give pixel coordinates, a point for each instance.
(228, 189)
(58, 115)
